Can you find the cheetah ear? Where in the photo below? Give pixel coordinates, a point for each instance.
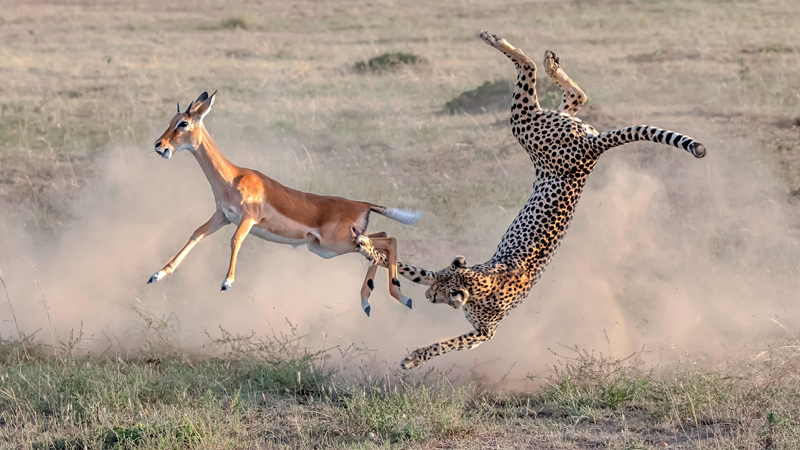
(459, 263)
(459, 295)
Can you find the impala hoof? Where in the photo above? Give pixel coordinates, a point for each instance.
(226, 285)
(367, 310)
(157, 277)
(408, 303)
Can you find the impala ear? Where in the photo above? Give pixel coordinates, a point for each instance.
(459, 263)
(200, 107)
(459, 295)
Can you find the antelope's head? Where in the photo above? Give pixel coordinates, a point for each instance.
(185, 129)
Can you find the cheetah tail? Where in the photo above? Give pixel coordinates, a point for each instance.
(416, 274)
(622, 136)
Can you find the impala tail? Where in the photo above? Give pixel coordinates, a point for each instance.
(404, 216)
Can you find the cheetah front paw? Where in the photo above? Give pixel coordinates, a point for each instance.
(412, 360)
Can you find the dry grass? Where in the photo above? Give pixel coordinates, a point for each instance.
(270, 393)
(78, 79)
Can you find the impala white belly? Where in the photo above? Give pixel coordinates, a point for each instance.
(267, 236)
(310, 235)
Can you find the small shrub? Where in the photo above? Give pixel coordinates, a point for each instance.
(493, 95)
(496, 95)
(388, 61)
(242, 22)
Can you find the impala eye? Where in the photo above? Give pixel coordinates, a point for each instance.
(183, 124)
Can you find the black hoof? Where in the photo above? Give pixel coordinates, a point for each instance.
(152, 279)
(367, 310)
(408, 303)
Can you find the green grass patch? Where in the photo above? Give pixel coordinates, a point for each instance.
(273, 393)
(127, 437)
(410, 412)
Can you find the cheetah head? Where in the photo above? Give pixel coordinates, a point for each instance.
(452, 285)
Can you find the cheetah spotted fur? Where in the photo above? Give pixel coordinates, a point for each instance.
(564, 151)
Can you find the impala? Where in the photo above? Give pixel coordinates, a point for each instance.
(259, 205)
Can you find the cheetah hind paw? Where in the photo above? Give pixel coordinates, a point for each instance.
(551, 61)
(491, 39)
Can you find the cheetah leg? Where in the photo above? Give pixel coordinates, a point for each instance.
(369, 283)
(416, 274)
(615, 138)
(466, 341)
(573, 96)
(525, 89)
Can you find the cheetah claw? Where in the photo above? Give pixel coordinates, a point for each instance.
(411, 361)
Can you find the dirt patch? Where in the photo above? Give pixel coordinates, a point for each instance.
(662, 55)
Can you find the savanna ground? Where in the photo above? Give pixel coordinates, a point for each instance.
(80, 79)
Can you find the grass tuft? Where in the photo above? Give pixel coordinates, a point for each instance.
(240, 22)
(388, 61)
(410, 411)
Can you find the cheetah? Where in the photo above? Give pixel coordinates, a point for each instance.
(564, 151)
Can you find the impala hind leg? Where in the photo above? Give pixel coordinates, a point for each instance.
(236, 244)
(383, 251)
(573, 96)
(368, 286)
(213, 224)
(369, 280)
(466, 341)
(389, 247)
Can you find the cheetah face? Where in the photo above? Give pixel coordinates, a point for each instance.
(452, 284)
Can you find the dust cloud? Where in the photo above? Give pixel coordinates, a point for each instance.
(666, 252)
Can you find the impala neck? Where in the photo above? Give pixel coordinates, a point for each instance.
(219, 171)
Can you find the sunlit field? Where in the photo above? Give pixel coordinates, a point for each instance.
(669, 318)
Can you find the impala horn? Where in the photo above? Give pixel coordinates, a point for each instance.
(179, 107)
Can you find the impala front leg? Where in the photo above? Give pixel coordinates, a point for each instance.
(236, 243)
(216, 222)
